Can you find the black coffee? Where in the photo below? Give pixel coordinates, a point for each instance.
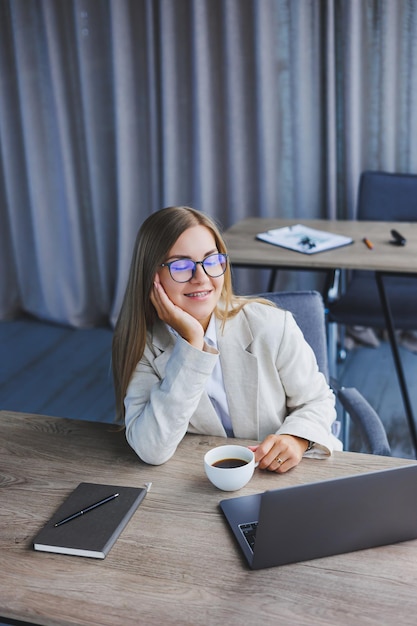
(229, 463)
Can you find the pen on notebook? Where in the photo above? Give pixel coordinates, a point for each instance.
(87, 509)
(368, 243)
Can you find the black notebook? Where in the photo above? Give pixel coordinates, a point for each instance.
(93, 532)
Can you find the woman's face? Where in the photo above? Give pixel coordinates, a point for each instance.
(200, 295)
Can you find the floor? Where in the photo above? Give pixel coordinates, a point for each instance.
(64, 372)
(56, 370)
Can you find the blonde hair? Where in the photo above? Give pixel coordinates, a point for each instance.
(157, 235)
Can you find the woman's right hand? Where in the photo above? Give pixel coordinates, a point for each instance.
(182, 322)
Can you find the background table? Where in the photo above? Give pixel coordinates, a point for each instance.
(247, 251)
(384, 259)
(176, 562)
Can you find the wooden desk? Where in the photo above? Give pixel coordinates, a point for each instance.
(176, 561)
(384, 259)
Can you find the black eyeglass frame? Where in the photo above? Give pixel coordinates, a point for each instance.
(195, 263)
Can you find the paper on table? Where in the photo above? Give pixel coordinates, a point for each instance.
(304, 239)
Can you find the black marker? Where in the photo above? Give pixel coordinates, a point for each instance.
(398, 240)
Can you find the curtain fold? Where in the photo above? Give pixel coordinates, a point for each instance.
(112, 109)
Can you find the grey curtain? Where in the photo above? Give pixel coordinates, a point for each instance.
(112, 109)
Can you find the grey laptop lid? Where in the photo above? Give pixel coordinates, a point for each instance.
(328, 517)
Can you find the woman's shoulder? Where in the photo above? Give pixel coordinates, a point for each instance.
(263, 313)
(265, 320)
(260, 322)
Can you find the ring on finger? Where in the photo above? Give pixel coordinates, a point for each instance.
(278, 460)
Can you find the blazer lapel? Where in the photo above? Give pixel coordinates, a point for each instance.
(240, 375)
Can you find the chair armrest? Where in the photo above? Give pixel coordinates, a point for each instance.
(366, 418)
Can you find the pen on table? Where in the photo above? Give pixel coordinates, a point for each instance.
(87, 509)
(368, 243)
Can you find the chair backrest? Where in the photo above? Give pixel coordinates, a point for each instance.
(387, 197)
(309, 313)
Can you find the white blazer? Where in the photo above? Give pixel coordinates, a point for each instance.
(270, 375)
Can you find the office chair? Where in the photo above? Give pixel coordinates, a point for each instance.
(382, 197)
(385, 197)
(309, 312)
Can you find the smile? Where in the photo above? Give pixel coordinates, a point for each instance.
(198, 294)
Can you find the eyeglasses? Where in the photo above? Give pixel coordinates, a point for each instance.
(183, 270)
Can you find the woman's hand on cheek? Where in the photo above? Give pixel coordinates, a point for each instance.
(160, 300)
(186, 326)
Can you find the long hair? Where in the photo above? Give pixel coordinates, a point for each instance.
(155, 238)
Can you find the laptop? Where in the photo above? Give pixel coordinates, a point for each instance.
(324, 518)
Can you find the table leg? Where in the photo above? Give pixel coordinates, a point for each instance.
(396, 356)
(272, 277)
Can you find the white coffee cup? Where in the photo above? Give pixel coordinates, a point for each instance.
(231, 476)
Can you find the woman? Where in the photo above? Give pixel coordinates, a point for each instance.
(190, 356)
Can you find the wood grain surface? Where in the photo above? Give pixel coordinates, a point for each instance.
(176, 561)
